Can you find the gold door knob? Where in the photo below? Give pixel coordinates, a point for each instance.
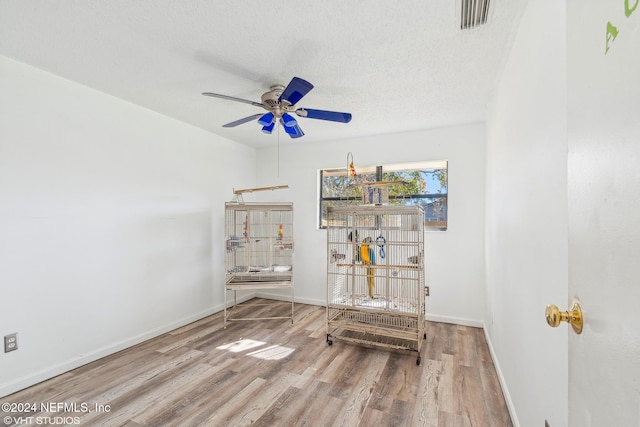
(573, 316)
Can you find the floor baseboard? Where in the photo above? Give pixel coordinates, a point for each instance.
(503, 383)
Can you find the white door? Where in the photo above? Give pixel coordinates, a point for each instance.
(603, 96)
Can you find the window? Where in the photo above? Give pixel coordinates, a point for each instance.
(422, 183)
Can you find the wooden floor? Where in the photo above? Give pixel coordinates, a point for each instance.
(270, 373)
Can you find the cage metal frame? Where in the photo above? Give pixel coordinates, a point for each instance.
(254, 251)
(376, 297)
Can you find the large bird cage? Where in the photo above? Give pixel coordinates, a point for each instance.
(375, 276)
(259, 253)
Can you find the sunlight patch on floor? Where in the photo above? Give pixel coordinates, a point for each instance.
(274, 352)
(241, 345)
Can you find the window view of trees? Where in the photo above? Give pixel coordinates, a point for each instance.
(423, 183)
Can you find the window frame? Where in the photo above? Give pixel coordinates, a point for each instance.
(380, 170)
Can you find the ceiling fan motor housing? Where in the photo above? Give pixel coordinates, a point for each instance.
(271, 98)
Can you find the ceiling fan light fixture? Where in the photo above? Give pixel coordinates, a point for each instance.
(268, 128)
(267, 119)
(293, 131)
(288, 120)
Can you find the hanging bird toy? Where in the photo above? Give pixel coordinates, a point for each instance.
(350, 167)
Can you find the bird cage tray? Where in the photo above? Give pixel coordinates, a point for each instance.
(270, 276)
(369, 339)
(375, 322)
(394, 331)
(378, 303)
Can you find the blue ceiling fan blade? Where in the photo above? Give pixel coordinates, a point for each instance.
(333, 116)
(266, 119)
(241, 121)
(268, 128)
(295, 90)
(288, 120)
(293, 131)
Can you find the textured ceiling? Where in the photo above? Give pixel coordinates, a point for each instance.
(396, 66)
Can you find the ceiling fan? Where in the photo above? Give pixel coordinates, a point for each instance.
(280, 102)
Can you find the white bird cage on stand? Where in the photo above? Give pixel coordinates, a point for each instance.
(259, 252)
(375, 276)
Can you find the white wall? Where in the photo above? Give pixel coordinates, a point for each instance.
(111, 222)
(455, 258)
(526, 218)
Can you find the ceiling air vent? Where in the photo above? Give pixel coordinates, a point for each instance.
(474, 13)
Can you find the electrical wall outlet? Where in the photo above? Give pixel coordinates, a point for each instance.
(426, 291)
(10, 342)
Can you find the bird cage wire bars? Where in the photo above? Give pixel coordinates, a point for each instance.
(259, 252)
(375, 276)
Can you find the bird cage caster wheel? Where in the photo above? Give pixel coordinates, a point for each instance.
(418, 361)
(329, 340)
